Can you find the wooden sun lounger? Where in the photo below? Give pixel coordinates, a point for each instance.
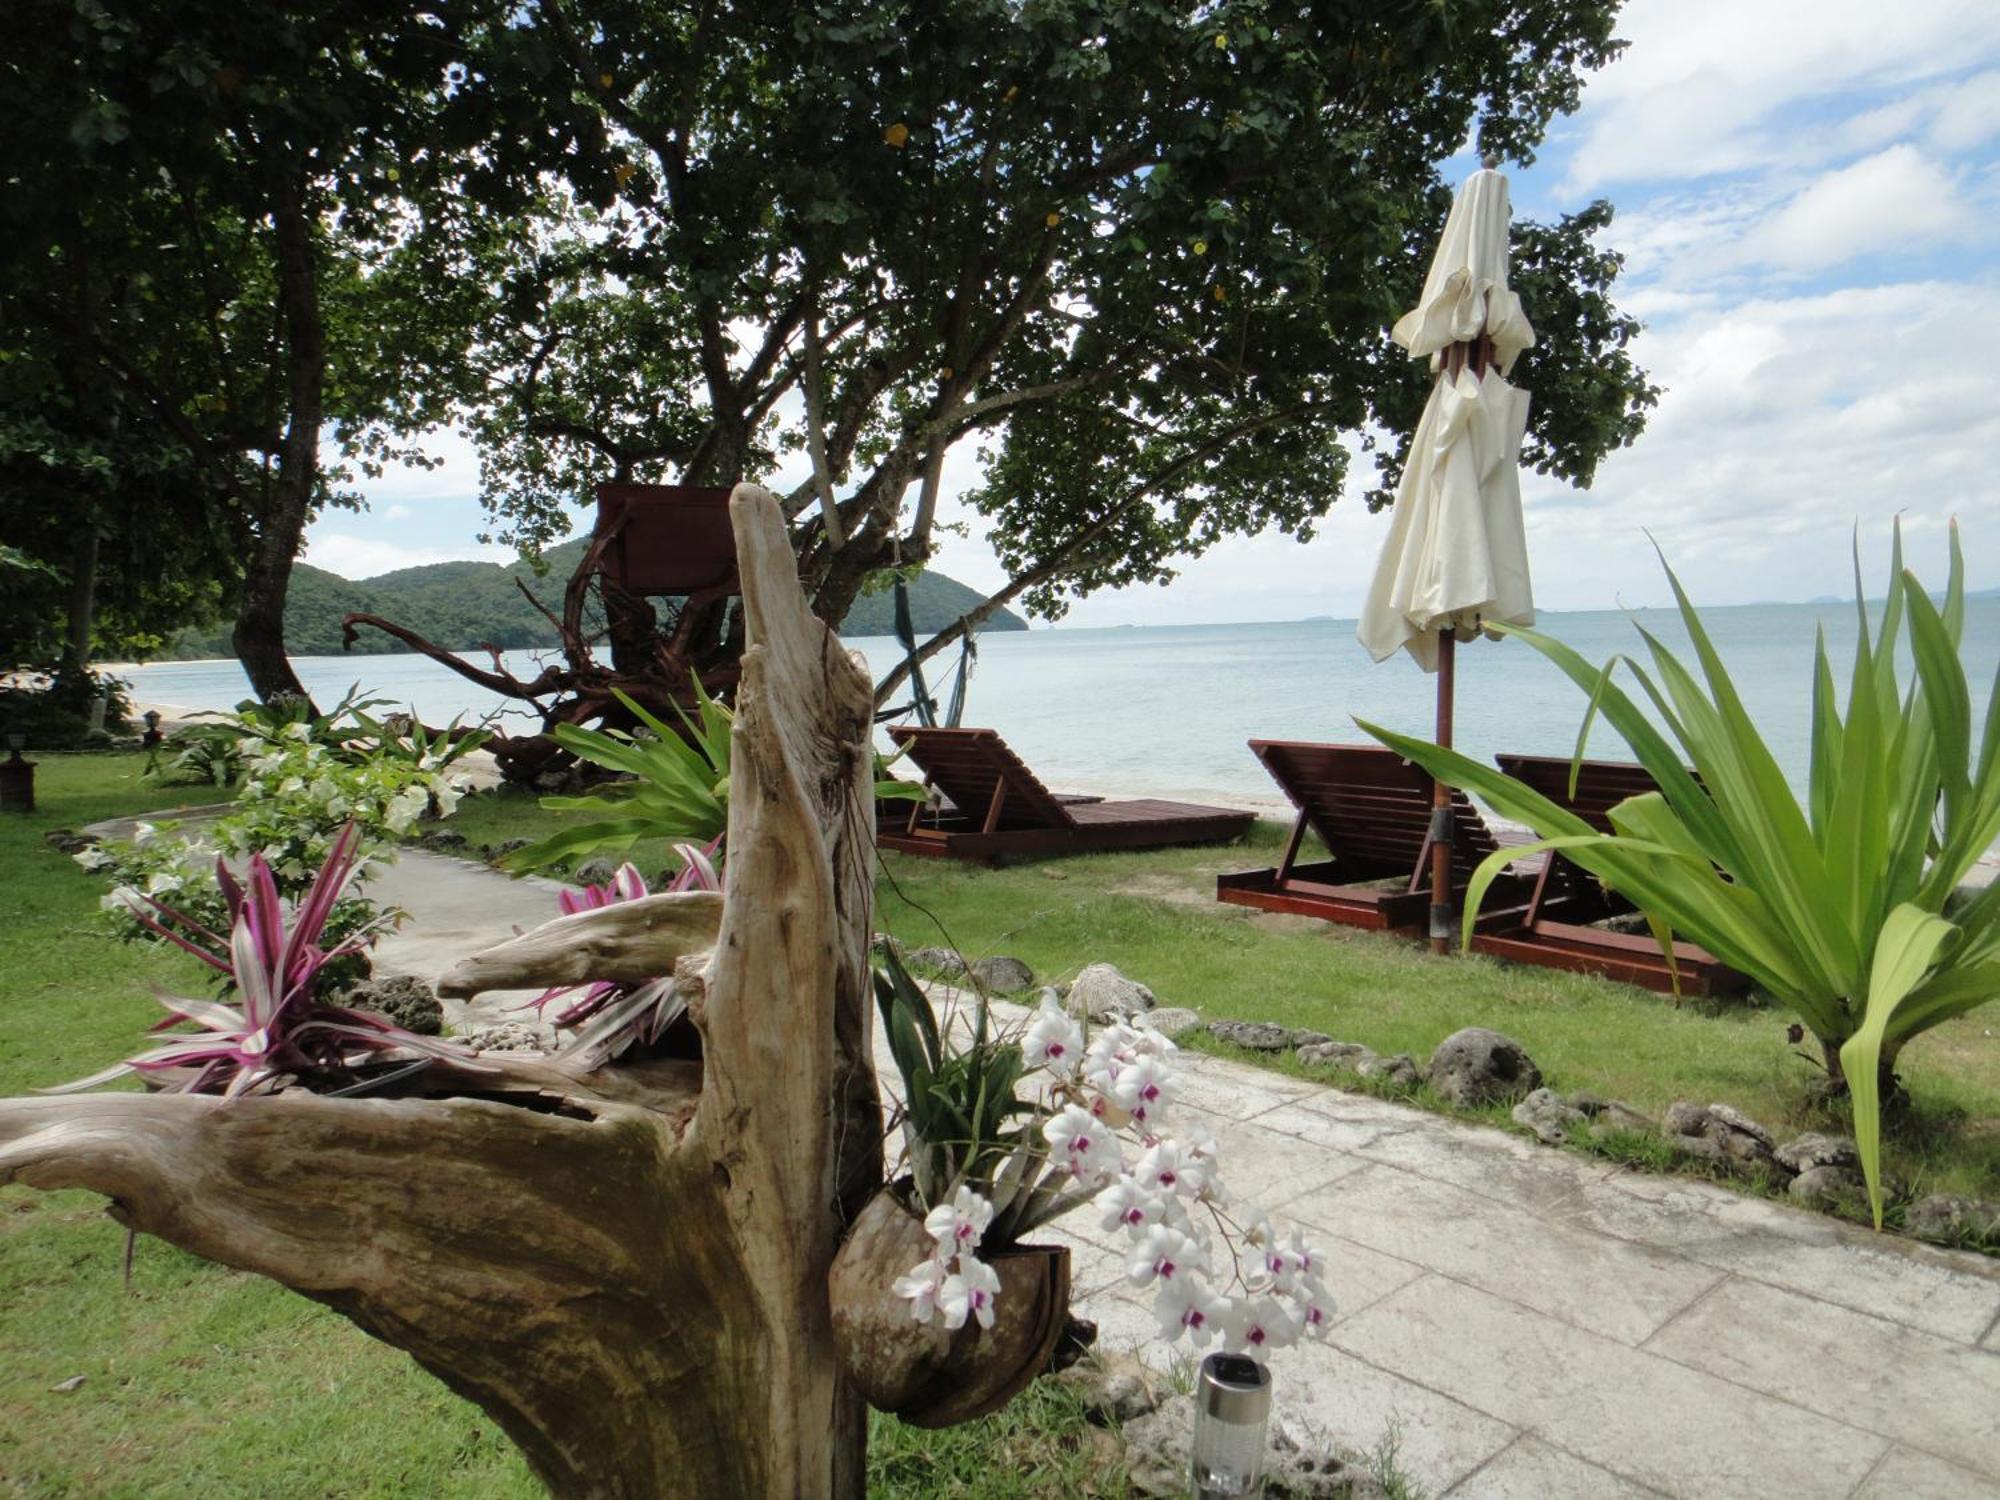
(999, 807)
(1555, 930)
(1372, 810)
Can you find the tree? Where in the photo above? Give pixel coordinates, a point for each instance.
(1143, 254)
(228, 257)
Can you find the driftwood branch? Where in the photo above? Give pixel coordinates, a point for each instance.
(629, 942)
(627, 1268)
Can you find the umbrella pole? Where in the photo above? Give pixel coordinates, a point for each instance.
(1441, 839)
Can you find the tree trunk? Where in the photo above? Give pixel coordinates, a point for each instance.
(82, 604)
(627, 1267)
(259, 636)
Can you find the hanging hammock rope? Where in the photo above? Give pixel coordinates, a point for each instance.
(922, 703)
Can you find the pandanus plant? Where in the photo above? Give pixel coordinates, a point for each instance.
(1846, 907)
(270, 1028)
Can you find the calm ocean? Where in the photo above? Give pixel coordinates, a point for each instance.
(1165, 711)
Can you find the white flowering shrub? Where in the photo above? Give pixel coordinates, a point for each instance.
(298, 793)
(1083, 1118)
(176, 867)
(300, 788)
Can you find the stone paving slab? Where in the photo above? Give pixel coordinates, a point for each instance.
(1607, 1286)
(1881, 1376)
(1645, 1418)
(1905, 1474)
(1530, 1469)
(1526, 1321)
(1953, 1294)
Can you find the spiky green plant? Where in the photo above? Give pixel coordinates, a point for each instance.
(1845, 907)
(677, 784)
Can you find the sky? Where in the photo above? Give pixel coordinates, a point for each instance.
(1806, 198)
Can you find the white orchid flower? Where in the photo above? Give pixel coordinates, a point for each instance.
(1145, 1088)
(958, 1225)
(1185, 1306)
(1082, 1144)
(1054, 1042)
(93, 858)
(1126, 1205)
(1166, 1169)
(1257, 1326)
(921, 1286)
(1163, 1254)
(1315, 1310)
(969, 1293)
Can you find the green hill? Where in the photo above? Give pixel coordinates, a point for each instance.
(465, 605)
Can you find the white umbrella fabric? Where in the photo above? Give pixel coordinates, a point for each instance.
(1456, 557)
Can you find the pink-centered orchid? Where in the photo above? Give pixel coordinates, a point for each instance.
(969, 1293)
(1101, 1088)
(921, 1285)
(958, 1225)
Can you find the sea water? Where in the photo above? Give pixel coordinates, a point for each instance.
(1165, 711)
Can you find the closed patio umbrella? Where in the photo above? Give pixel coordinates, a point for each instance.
(1456, 557)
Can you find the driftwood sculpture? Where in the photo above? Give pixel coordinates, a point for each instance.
(627, 1267)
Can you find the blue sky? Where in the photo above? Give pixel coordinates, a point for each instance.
(1806, 198)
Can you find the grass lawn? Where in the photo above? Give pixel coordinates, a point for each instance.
(201, 1380)
(1155, 916)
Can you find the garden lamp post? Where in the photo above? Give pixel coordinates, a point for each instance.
(1232, 1411)
(17, 778)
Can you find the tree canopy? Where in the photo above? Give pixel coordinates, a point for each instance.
(1141, 256)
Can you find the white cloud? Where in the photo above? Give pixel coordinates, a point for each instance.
(363, 557)
(1707, 84)
(1894, 198)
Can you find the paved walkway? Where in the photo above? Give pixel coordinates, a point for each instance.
(1528, 1322)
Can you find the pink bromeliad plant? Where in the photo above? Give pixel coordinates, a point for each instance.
(269, 1030)
(610, 1016)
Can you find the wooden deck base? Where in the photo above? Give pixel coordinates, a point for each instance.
(1096, 827)
(1312, 891)
(1612, 955)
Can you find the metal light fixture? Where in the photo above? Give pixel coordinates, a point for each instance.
(17, 778)
(1232, 1410)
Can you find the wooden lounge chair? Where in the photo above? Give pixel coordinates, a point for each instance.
(1372, 810)
(999, 807)
(1557, 931)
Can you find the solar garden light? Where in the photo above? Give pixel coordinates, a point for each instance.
(17, 778)
(1232, 1409)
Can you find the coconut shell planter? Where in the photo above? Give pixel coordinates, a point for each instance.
(922, 1372)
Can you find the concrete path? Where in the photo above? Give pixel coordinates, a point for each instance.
(1523, 1321)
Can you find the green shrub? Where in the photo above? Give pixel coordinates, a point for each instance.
(1845, 907)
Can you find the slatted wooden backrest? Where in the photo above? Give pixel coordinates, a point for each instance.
(1600, 784)
(967, 764)
(1370, 807)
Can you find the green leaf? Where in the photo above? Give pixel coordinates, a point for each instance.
(1909, 942)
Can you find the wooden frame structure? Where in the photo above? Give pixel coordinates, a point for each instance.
(1374, 812)
(1556, 932)
(999, 808)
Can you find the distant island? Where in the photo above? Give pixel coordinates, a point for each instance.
(465, 605)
